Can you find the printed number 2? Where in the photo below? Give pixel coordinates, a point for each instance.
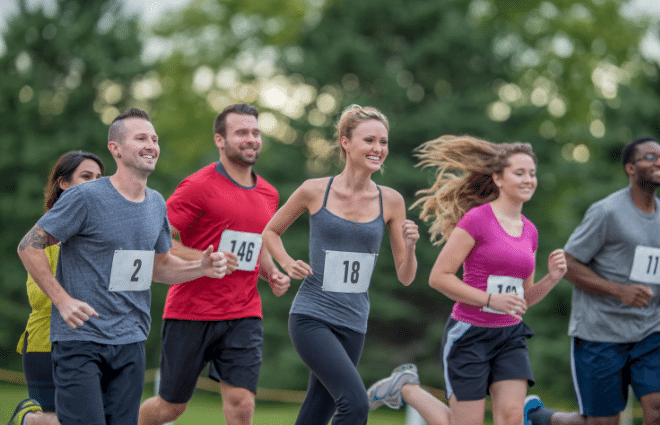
(655, 267)
(245, 250)
(137, 263)
(355, 273)
(508, 288)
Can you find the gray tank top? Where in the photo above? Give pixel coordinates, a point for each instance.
(342, 254)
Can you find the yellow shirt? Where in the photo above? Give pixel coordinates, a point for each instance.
(38, 325)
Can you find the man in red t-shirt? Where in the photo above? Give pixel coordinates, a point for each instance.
(227, 205)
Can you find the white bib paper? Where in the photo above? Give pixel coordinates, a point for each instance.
(646, 267)
(503, 284)
(245, 245)
(348, 272)
(131, 270)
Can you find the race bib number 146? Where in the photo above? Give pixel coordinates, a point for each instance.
(245, 245)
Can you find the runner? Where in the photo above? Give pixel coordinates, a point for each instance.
(615, 327)
(479, 214)
(115, 239)
(348, 217)
(71, 168)
(227, 205)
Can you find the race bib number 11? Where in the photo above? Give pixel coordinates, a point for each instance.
(645, 267)
(131, 270)
(245, 245)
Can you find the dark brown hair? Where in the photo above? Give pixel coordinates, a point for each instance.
(63, 172)
(220, 122)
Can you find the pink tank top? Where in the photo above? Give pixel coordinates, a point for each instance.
(497, 263)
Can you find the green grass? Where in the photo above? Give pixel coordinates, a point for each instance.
(206, 408)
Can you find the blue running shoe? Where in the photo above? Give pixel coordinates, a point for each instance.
(532, 402)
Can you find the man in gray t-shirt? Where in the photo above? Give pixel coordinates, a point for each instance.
(115, 239)
(613, 262)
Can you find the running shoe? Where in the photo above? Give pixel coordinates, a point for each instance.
(24, 407)
(388, 390)
(532, 402)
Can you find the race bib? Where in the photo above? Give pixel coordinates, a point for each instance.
(348, 272)
(646, 267)
(131, 270)
(503, 284)
(245, 245)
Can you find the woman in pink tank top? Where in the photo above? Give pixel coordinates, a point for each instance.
(475, 206)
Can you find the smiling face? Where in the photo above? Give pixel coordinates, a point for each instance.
(242, 145)
(518, 179)
(87, 170)
(368, 145)
(139, 150)
(644, 169)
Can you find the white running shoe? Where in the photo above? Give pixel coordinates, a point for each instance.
(388, 390)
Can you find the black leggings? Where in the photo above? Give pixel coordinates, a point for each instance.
(332, 353)
(38, 369)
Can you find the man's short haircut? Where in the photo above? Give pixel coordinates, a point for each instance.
(117, 130)
(220, 123)
(628, 152)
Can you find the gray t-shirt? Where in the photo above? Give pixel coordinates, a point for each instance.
(606, 241)
(92, 220)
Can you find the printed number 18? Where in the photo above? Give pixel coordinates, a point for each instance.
(355, 272)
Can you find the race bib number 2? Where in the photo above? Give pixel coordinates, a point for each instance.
(348, 272)
(503, 284)
(245, 245)
(645, 267)
(131, 270)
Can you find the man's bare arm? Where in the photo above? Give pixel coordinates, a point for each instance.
(31, 252)
(36, 238)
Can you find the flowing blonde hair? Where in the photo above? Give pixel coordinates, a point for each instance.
(464, 178)
(351, 118)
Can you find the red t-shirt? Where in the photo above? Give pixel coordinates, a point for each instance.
(201, 208)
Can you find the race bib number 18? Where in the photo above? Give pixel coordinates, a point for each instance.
(348, 272)
(645, 267)
(245, 245)
(131, 270)
(504, 284)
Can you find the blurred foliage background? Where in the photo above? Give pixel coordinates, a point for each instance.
(570, 77)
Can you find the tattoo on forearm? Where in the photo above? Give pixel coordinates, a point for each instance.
(36, 238)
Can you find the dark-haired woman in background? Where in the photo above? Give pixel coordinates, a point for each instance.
(72, 168)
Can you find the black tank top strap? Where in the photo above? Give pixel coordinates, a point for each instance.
(327, 191)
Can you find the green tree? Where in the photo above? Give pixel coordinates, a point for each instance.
(68, 69)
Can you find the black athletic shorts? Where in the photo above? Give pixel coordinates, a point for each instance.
(474, 357)
(233, 347)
